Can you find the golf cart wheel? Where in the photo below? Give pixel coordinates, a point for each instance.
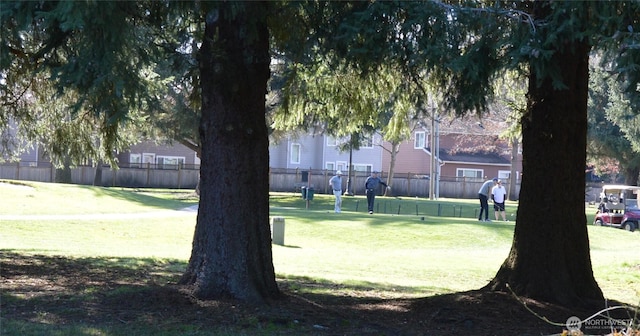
(629, 226)
(598, 222)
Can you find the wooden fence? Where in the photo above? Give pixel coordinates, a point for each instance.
(145, 176)
(404, 184)
(283, 180)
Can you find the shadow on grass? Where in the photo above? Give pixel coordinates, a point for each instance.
(120, 296)
(172, 200)
(55, 295)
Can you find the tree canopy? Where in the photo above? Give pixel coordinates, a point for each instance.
(65, 86)
(613, 127)
(108, 54)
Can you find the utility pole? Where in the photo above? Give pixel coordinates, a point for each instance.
(434, 177)
(437, 156)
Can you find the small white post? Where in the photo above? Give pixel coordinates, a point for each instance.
(277, 230)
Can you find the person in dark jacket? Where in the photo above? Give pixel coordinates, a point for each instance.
(371, 185)
(483, 195)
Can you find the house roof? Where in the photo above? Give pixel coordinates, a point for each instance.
(476, 158)
(472, 124)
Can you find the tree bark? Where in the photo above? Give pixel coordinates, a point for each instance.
(549, 258)
(392, 165)
(513, 176)
(631, 175)
(231, 256)
(63, 175)
(97, 178)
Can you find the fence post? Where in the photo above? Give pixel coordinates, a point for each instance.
(179, 173)
(148, 174)
(464, 186)
(325, 181)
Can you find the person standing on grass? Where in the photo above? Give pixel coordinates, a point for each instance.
(371, 185)
(336, 184)
(483, 195)
(498, 195)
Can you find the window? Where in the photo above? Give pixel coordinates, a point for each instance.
(504, 175)
(295, 153)
(330, 166)
(135, 160)
(469, 173)
(148, 158)
(169, 162)
(367, 143)
(342, 165)
(362, 168)
(420, 140)
(332, 142)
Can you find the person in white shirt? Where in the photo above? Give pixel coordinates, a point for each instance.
(498, 194)
(336, 184)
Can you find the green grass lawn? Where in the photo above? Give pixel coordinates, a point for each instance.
(407, 250)
(33, 198)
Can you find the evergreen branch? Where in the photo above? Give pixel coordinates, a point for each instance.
(58, 38)
(16, 99)
(514, 14)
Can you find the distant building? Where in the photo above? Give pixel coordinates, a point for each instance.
(319, 152)
(465, 150)
(159, 155)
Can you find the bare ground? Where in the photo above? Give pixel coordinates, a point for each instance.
(104, 294)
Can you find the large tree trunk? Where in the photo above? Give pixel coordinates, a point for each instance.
(231, 256)
(513, 176)
(549, 258)
(63, 175)
(97, 178)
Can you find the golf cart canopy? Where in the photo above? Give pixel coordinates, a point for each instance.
(619, 187)
(615, 196)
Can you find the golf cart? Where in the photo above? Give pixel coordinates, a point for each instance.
(619, 207)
